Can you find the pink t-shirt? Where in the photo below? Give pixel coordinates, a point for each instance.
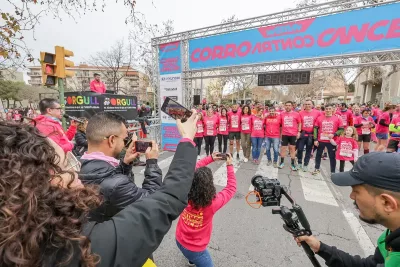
(200, 129)
(346, 116)
(223, 126)
(17, 117)
(234, 121)
(380, 128)
(327, 125)
(308, 119)
(210, 125)
(273, 126)
(345, 147)
(395, 115)
(396, 122)
(194, 227)
(257, 124)
(290, 123)
(246, 124)
(364, 129)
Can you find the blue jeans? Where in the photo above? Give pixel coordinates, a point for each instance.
(256, 143)
(307, 142)
(274, 142)
(200, 259)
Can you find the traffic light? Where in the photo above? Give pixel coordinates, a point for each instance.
(49, 77)
(63, 63)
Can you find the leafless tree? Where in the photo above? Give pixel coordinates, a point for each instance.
(114, 63)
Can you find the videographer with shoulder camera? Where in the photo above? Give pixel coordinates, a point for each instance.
(107, 136)
(375, 180)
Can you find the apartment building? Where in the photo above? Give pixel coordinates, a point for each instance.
(11, 75)
(132, 82)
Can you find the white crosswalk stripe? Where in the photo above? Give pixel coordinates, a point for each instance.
(220, 175)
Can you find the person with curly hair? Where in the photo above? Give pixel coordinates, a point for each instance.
(44, 206)
(194, 228)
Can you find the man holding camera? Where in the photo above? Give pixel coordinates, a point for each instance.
(375, 180)
(107, 137)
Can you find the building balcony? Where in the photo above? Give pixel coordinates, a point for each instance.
(32, 74)
(35, 82)
(132, 77)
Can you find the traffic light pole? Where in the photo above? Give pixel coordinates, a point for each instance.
(62, 103)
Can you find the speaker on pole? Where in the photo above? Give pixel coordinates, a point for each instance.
(196, 100)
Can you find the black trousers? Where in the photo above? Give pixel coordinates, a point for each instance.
(331, 152)
(198, 141)
(220, 138)
(210, 140)
(307, 142)
(342, 162)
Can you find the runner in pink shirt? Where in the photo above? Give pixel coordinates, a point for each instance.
(308, 117)
(234, 126)
(364, 124)
(198, 138)
(257, 134)
(326, 127)
(272, 135)
(346, 147)
(210, 123)
(346, 115)
(394, 142)
(223, 131)
(245, 132)
(382, 127)
(291, 128)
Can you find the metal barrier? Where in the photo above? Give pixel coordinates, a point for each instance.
(153, 130)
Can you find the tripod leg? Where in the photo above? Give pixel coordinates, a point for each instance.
(310, 254)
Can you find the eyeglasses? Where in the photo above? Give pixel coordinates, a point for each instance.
(126, 139)
(72, 162)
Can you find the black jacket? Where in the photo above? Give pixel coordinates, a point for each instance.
(131, 236)
(117, 185)
(336, 258)
(81, 144)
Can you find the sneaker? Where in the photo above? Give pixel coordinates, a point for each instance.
(245, 160)
(269, 162)
(198, 157)
(305, 169)
(191, 264)
(275, 164)
(316, 172)
(324, 156)
(294, 167)
(281, 165)
(256, 161)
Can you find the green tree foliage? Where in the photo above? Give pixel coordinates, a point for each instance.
(9, 90)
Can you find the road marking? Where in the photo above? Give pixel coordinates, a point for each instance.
(220, 175)
(163, 163)
(264, 170)
(315, 188)
(359, 232)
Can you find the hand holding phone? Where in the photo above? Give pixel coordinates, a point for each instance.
(175, 110)
(141, 146)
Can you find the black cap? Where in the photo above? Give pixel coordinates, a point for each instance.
(378, 169)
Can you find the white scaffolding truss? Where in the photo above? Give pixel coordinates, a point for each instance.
(388, 57)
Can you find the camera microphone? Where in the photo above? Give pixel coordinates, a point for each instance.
(73, 118)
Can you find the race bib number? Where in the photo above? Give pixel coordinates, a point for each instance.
(346, 150)
(235, 122)
(344, 119)
(324, 136)
(210, 132)
(308, 121)
(258, 125)
(365, 131)
(200, 128)
(210, 127)
(245, 126)
(288, 121)
(222, 126)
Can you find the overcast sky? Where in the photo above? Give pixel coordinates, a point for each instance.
(97, 31)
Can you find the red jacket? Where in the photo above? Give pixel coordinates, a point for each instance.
(52, 128)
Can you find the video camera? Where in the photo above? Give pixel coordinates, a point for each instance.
(269, 193)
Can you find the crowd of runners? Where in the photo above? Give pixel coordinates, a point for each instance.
(335, 130)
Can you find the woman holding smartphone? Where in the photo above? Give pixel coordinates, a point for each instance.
(210, 122)
(223, 131)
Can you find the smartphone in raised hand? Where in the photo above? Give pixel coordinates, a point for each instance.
(223, 156)
(175, 110)
(141, 146)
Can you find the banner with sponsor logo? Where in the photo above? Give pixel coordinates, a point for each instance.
(86, 104)
(170, 86)
(357, 31)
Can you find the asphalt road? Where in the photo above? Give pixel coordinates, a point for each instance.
(244, 236)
